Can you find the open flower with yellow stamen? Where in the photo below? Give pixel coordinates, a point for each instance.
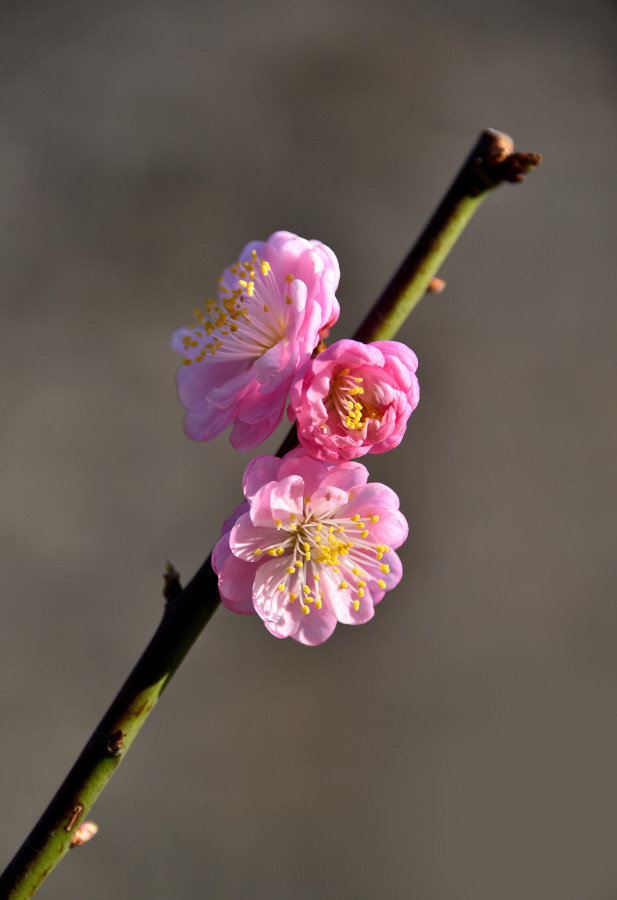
(314, 545)
(355, 398)
(246, 346)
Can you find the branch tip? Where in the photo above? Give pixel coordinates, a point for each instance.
(497, 162)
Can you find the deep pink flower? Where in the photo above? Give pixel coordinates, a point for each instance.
(354, 399)
(247, 345)
(313, 546)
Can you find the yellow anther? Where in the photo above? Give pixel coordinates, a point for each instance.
(318, 604)
(280, 551)
(374, 519)
(257, 552)
(299, 563)
(356, 605)
(307, 499)
(292, 597)
(355, 518)
(361, 584)
(320, 526)
(272, 551)
(242, 283)
(381, 583)
(306, 589)
(316, 576)
(343, 585)
(360, 525)
(364, 533)
(278, 522)
(281, 587)
(306, 547)
(305, 609)
(385, 568)
(340, 529)
(361, 592)
(290, 570)
(292, 517)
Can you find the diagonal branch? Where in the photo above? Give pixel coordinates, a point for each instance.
(491, 162)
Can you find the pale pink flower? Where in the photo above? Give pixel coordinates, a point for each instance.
(313, 546)
(355, 398)
(247, 345)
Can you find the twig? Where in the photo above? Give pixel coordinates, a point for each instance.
(187, 610)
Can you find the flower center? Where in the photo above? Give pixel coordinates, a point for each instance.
(246, 321)
(344, 397)
(328, 544)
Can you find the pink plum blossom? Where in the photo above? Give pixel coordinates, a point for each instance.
(312, 546)
(246, 346)
(355, 398)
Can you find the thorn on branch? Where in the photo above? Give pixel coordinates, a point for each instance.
(171, 582)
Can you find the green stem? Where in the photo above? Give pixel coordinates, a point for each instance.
(490, 163)
(187, 611)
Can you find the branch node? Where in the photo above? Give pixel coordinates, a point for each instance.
(114, 743)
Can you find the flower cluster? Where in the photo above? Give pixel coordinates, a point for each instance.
(314, 542)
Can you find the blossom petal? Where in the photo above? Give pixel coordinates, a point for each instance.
(236, 585)
(259, 471)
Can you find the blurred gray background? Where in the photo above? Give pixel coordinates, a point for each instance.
(463, 744)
